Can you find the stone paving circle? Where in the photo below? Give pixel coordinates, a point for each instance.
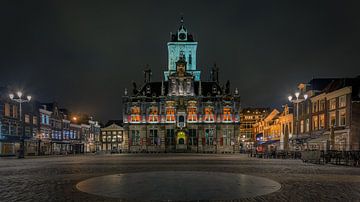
(178, 185)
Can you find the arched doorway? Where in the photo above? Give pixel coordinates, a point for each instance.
(181, 141)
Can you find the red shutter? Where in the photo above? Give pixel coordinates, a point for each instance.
(221, 141)
(203, 141)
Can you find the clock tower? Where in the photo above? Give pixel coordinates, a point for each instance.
(182, 44)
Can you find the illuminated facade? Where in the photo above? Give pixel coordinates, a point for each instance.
(182, 113)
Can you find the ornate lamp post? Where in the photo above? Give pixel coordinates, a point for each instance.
(20, 100)
(296, 101)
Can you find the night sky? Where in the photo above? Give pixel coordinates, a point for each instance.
(83, 54)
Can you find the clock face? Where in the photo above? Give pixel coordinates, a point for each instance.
(182, 36)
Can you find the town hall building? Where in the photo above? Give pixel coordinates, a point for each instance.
(181, 113)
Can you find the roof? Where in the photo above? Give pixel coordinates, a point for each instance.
(345, 82)
(117, 122)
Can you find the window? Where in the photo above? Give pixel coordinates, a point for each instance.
(192, 116)
(7, 109)
(342, 117)
(135, 114)
(193, 137)
(209, 136)
(135, 137)
(301, 126)
(226, 138)
(209, 114)
(114, 137)
(154, 137)
(342, 101)
(170, 134)
(315, 122)
(227, 114)
(153, 115)
(14, 111)
(170, 114)
(322, 105)
(332, 104)
(27, 118)
(332, 119)
(35, 120)
(315, 106)
(307, 125)
(322, 121)
(120, 137)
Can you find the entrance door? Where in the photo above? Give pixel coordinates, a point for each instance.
(181, 139)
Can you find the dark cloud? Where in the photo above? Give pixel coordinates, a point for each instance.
(84, 53)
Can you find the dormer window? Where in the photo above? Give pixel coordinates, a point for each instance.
(170, 114)
(192, 114)
(153, 115)
(209, 114)
(135, 114)
(227, 116)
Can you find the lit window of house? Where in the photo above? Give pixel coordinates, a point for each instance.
(27, 118)
(170, 114)
(315, 123)
(322, 105)
(322, 121)
(226, 139)
(332, 119)
(301, 126)
(135, 114)
(342, 117)
(209, 114)
(153, 115)
(35, 120)
(332, 104)
(7, 109)
(227, 114)
(315, 106)
(192, 114)
(307, 125)
(342, 101)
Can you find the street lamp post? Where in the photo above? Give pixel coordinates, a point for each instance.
(297, 101)
(20, 100)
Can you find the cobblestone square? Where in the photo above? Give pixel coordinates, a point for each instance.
(55, 178)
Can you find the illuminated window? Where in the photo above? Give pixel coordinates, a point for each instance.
(315, 123)
(135, 114)
(342, 117)
(301, 126)
(227, 114)
(153, 115)
(7, 109)
(192, 116)
(342, 101)
(170, 114)
(209, 114)
(315, 106)
(332, 104)
(322, 121)
(27, 118)
(307, 125)
(322, 105)
(332, 119)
